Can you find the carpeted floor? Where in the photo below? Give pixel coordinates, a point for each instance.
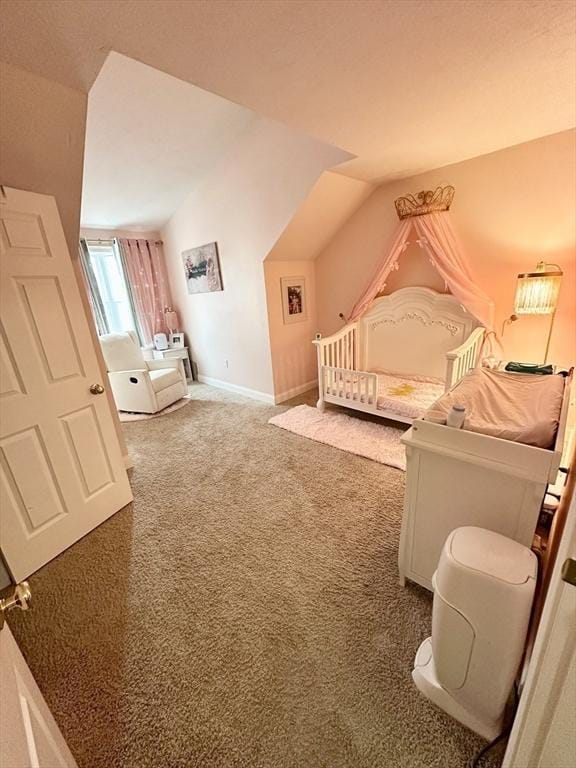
(244, 612)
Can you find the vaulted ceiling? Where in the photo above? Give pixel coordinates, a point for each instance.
(150, 139)
(404, 85)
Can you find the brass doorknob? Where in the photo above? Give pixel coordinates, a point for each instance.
(20, 598)
(96, 389)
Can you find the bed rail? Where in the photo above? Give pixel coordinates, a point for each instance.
(340, 386)
(465, 357)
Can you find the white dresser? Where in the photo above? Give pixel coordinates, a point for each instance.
(457, 478)
(178, 353)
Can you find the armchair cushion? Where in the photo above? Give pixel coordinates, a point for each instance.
(162, 378)
(122, 352)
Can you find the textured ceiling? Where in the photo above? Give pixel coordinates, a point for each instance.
(405, 85)
(150, 138)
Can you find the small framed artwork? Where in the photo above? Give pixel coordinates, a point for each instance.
(294, 302)
(202, 269)
(177, 340)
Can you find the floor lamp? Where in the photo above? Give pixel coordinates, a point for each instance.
(537, 294)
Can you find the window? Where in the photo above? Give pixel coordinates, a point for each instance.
(113, 293)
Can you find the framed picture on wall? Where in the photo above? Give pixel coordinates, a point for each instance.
(294, 301)
(202, 269)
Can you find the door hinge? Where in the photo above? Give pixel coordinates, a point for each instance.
(568, 572)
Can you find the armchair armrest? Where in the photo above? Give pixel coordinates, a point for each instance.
(174, 363)
(155, 365)
(131, 372)
(132, 390)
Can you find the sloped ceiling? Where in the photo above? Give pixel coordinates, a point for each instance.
(331, 202)
(150, 139)
(404, 85)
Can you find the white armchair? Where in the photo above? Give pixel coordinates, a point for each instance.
(139, 385)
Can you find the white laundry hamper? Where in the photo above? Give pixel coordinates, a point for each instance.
(483, 592)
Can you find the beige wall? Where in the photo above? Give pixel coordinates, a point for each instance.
(293, 355)
(42, 129)
(243, 205)
(512, 208)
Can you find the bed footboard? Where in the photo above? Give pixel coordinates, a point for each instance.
(464, 358)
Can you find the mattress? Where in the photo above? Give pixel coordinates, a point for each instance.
(524, 408)
(402, 394)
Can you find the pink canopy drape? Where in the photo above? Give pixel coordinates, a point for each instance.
(437, 236)
(146, 272)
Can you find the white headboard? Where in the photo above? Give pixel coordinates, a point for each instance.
(411, 330)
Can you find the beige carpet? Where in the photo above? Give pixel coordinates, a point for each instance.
(129, 416)
(244, 612)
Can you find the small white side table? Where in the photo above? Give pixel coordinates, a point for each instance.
(180, 353)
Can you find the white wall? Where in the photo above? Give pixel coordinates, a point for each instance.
(512, 208)
(244, 204)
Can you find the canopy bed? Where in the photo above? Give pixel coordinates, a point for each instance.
(411, 356)
(400, 352)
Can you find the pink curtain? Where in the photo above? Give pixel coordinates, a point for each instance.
(146, 272)
(390, 262)
(437, 236)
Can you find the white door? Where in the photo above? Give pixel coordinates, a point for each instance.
(29, 735)
(61, 468)
(544, 731)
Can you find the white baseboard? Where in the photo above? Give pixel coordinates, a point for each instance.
(128, 463)
(264, 397)
(281, 397)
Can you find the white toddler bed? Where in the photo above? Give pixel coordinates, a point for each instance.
(400, 356)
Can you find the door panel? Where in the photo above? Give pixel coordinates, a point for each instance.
(45, 311)
(10, 381)
(29, 735)
(24, 234)
(29, 481)
(88, 450)
(62, 468)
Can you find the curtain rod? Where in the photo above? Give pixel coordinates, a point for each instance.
(111, 240)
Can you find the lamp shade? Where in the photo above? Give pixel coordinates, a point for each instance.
(171, 319)
(537, 292)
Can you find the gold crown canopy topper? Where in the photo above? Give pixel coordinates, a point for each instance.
(427, 201)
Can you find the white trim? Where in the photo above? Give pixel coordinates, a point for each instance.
(128, 463)
(264, 397)
(281, 397)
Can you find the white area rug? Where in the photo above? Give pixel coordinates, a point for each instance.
(364, 438)
(125, 416)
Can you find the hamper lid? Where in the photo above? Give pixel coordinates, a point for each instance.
(493, 554)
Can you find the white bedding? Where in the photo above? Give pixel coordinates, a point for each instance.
(405, 395)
